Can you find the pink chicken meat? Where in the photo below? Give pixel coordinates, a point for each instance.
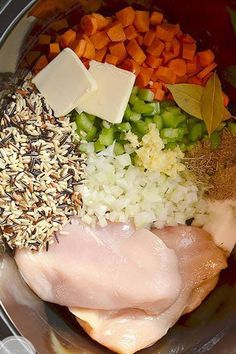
(110, 268)
(128, 331)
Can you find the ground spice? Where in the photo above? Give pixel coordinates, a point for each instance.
(216, 169)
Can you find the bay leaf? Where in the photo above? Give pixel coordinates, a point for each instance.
(226, 115)
(212, 105)
(188, 97)
(232, 14)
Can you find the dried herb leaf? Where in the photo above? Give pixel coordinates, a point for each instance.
(232, 14)
(188, 97)
(212, 105)
(230, 75)
(226, 114)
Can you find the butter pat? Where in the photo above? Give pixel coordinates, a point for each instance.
(110, 100)
(65, 83)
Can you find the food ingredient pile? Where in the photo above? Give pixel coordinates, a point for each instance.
(40, 170)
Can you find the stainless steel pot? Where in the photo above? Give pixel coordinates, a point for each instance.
(209, 329)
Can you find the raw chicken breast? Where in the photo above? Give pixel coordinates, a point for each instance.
(107, 268)
(129, 330)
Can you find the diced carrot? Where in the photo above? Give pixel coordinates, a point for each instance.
(144, 77)
(59, 25)
(139, 39)
(118, 50)
(130, 32)
(79, 47)
(32, 56)
(156, 48)
(207, 70)
(159, 94)
(100, 54)
(89, 52)
(225, 99)
(100, 39)
(41, 63)
(44, 39)
(168, 46)
(144, 65)
(136, 52)
(131, 65)
(86, 62)
(126, 16)
(156, 18)
(186, 38)
(181, 79)
(102, 21)
(167, 31)
(154, 62)
(206, 78)
(115, 32)
(157, 85)
(194, 80)
(189, 50)
(178, 66)
(175, 45)
(166, 75)
(149, 38)
(141, 21)
(54, 50)
(206, 57)
(191, 65)
(111, 59)
(89, 24)
(67, 39)
(167, 56)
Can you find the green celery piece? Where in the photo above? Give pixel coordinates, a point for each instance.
(106, 136)
(170, 133)
(148, 120)
(174, 109)
(157, 119)
(184, 126)
(182, 147)
(91, 117)
(171, 120)
(171, 146)
(156, 109)
(165, 104)
(91, 134)
(215, 140)
(83, 147)
(143, 108)
(123, 127)
(119, 149)
(133, 98)
(141, 127)
(83, 122)
(98, 146)
(135, 117)
(146, 95)
(196, 132)
(128, 112)
(135, 90)
(191, 146)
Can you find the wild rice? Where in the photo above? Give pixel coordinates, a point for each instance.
(40, 171)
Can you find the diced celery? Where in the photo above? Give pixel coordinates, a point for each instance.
(156, 110)
(106, 124)
(215, 140)
(135, 117)
(180, 134)
(165, 104)
(83, 147)
(184, 126)
(196, 132)
(91, 134)
(174, 109)
(191, 121)
(182, 147)
(171, 120)
(91, 117)
(83, 122)
(123, 127)
(135, 90)
(133, 98)
(146, 95)
(170, 146)
(232, 127)
(157, 119)
(119, 149)
(143, 108)
(128, 112)
(148, 120)
(170, 133)
(106, 136)
(191, 146)
(98, 146)
(141, 127)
